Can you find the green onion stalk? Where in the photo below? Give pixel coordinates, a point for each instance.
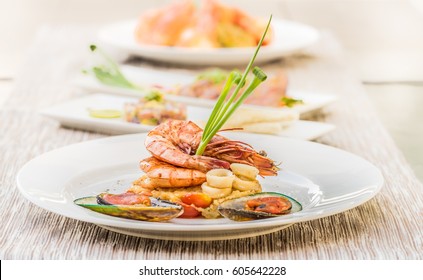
(223, 109)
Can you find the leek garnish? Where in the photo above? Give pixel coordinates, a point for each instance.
(223, 108)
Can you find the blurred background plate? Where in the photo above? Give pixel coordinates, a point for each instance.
(289, 37)
(75, 114)
(149, 78)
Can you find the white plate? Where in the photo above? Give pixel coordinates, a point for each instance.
(147, 78)
(289, 37)
(325, 180)
(74, 114)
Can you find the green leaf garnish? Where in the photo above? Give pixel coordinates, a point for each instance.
(290, 102)
(109, 72)
(154, 95)
(216, 75)
(223, 108)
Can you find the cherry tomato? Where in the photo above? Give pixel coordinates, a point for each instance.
(189, 211)
(198, 199)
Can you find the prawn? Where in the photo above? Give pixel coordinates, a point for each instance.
(176, 142)
(162, 174)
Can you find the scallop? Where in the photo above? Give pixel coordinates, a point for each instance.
(150, 209)
(258, 206)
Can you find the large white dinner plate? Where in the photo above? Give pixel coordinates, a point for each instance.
(75, 114)
(148, 78)
(289, 37)
(325, 180)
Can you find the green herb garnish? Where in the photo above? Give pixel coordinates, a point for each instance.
(290, 102)
(109, 73)
(215, 75)
(154, 95)
(223, 108)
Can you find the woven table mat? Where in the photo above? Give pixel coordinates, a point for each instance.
(387, 227)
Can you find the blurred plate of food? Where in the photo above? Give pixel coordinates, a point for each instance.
(198, 89)
(123, 115)
(210, 33)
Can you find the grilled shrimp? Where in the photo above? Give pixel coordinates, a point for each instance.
(176, 142)
(162, 174)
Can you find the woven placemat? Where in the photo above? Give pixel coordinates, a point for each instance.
(387, 227)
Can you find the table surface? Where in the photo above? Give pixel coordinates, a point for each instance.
(387, 227)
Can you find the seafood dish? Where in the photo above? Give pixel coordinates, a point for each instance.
(196, 172)
(177, 183)
(200, 24)
(153, 109)
(207, 177)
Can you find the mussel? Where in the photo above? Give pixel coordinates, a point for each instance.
(132, 206)
(258, 206)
